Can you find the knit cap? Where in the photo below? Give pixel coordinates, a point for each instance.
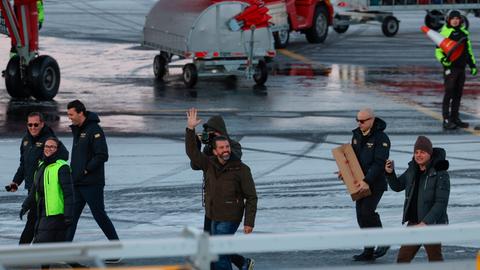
(424, 144)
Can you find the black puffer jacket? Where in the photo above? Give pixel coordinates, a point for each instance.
(372, 151)
(433, 192)
(36, 198)
(89, 152)
(31, 150)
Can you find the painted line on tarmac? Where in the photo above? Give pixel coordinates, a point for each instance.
(296, 56)
(415, 105)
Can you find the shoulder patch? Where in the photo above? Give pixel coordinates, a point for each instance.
(25, 143)
(97, 135)
(385, 144)
(354, 141)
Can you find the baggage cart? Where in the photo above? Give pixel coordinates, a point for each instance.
(361, 11)
(202, 34)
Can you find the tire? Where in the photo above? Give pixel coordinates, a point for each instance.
(281, 39)
(341, 28)
(261, 73)
(466, 23)
(390, 26)
(16, 88)
(432, 20)
(160, 68)
(319, 30)
(190, 75)
(44, 77)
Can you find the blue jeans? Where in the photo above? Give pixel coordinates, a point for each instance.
(93, 196)
(223, 228)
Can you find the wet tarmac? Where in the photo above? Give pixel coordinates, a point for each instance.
(286, 128)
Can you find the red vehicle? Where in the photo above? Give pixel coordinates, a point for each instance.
(310, 17)
(27, 73)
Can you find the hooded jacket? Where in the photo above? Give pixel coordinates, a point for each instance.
(36, 198)
(31, 150)
(89, 152)
(217, 123)
(230, 190)
(433, 189)
(372, 151)
(459, 33)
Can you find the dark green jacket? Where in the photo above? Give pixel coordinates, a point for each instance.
(230, 190)
(434, 189)
(31, 150)
(372, 151)
(89, 152)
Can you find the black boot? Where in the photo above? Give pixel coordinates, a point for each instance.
(448, 124)
(381, 251)
(366, 255)
(460, 123)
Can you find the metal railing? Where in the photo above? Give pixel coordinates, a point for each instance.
(201, 249)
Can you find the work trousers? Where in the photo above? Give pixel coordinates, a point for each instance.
(453, 83)
(93, 196)
(28, 232)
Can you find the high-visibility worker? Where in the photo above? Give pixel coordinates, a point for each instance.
(454, 71)
(51, 196)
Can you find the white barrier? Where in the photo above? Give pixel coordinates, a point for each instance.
(202, 249)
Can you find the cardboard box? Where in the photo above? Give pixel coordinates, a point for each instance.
(350, 169)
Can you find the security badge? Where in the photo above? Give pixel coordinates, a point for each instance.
(370, 145)
(83, 135)
(39, 144)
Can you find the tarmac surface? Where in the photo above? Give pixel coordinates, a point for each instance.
(287, 128)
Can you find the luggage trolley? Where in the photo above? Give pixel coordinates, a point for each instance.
(208, 38)
(361, 11)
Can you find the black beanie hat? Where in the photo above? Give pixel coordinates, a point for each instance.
(424, 144)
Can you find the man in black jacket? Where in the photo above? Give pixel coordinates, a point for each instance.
(31, 150)
(89, 154)
(427, 189)
(372, 147)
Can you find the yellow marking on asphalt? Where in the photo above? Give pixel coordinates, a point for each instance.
(412, 103)
(296, 56)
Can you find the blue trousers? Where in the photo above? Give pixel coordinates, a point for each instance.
(222, 228)
(93, 196)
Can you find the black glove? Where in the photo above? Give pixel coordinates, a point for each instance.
(68, 221)
(23, 211)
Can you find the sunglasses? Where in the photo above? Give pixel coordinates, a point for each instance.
(363, 120)
(33, 124)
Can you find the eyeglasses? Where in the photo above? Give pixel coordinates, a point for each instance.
(50, 146)
(33, 124)
(363, 120)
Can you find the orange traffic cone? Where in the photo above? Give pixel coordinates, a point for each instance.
(453, 49)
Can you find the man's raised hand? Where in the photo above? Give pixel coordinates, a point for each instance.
(192, 120)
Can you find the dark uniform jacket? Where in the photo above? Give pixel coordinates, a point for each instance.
(89, 152)
(372, 151)
(433, 189)
(31, 150)
(230, 190)
(52, 223)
